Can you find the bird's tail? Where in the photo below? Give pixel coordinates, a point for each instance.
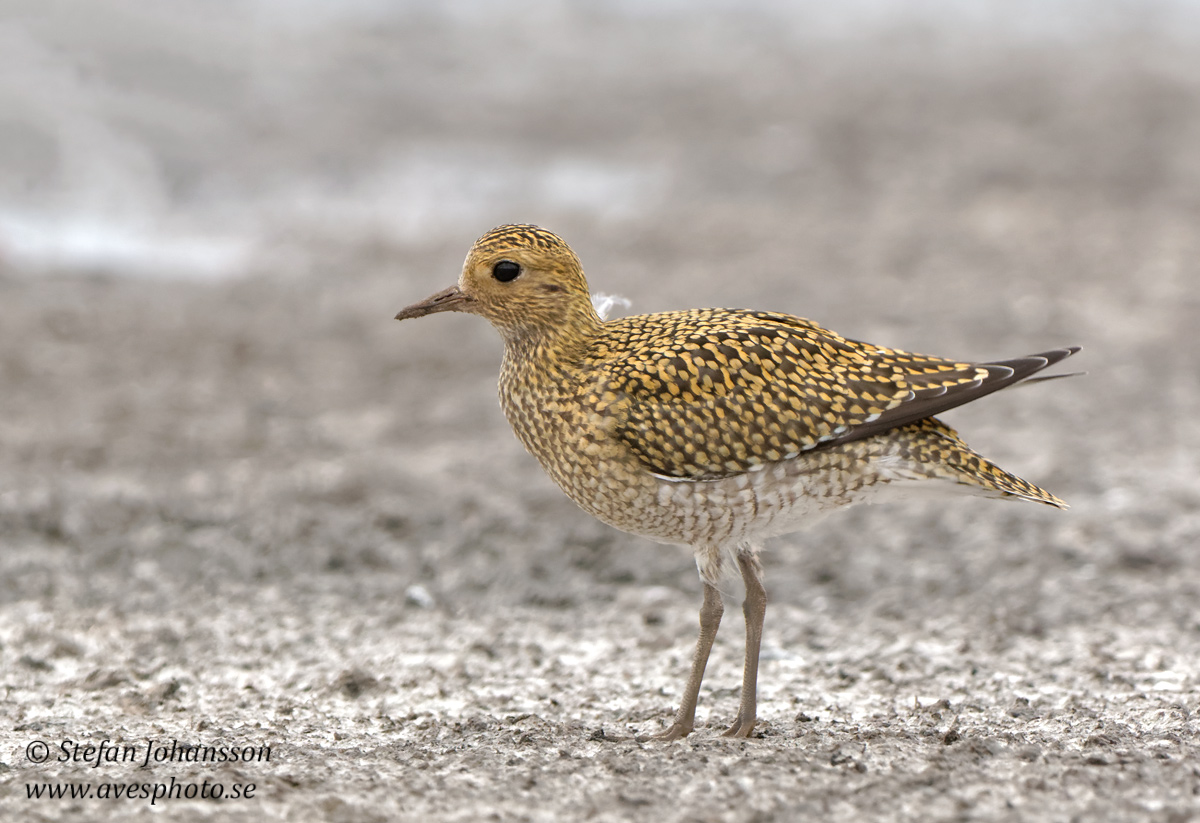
(946, 456)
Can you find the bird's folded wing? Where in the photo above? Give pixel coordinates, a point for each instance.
(755, 388)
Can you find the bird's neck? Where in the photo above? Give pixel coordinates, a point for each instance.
(556, 346)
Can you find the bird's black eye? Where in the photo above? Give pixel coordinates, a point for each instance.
(505, 270)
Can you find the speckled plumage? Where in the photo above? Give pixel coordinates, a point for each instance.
(716, 428)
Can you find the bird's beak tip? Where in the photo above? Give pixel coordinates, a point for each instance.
(451, 299)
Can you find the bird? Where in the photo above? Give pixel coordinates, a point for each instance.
(715, 428)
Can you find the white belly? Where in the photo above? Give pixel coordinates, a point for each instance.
(720, 517)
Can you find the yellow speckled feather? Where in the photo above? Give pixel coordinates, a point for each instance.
(714, 392)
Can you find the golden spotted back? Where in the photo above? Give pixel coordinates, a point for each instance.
(714, 392)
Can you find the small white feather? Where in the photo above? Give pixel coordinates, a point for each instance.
(604, 303)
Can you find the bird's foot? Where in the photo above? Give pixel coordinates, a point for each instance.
(676, 731)
(740, 728)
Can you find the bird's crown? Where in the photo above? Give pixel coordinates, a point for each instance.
(522, 236)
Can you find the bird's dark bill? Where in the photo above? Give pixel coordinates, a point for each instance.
(451, 299)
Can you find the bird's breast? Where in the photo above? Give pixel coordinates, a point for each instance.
(572, 431)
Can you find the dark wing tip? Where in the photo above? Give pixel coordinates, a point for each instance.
(1055, 355)
(935, 400)
(1023, 367)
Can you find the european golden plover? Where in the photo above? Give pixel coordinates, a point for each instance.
(716, 428)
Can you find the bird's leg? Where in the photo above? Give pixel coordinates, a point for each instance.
(754, 607)
(710, 620)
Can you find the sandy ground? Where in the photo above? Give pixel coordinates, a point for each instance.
(257, 512)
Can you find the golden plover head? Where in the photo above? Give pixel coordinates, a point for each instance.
(523, 279)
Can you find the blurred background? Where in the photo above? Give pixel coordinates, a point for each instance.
(210, 211)
(218, 453)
